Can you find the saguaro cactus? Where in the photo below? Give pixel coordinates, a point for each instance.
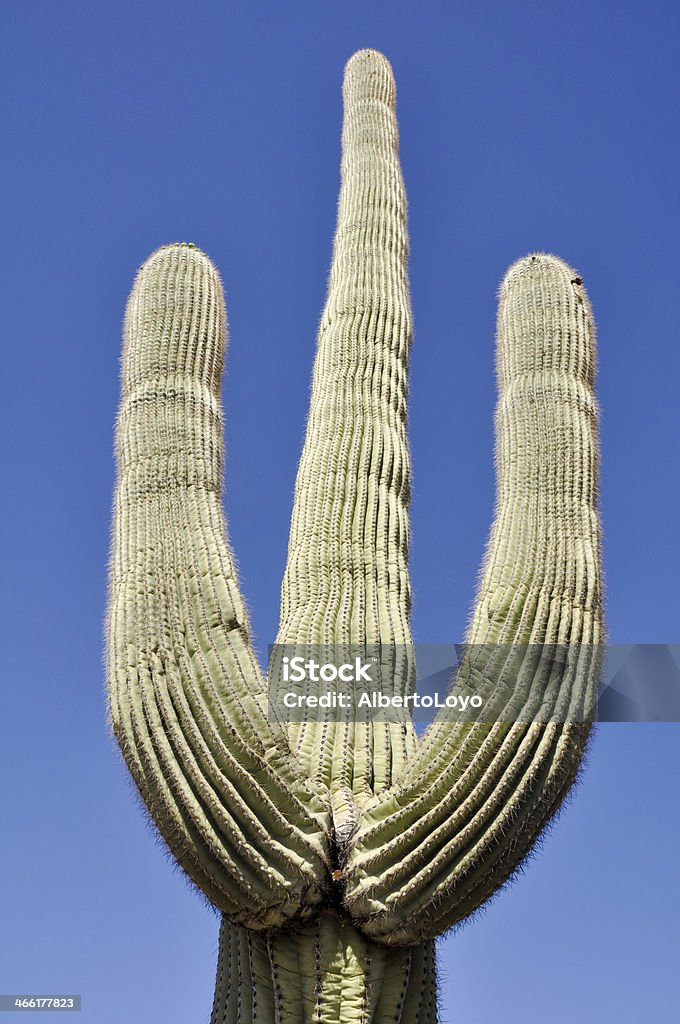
(337, 854)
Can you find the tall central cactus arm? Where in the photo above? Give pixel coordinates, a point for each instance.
(472, 802)
(346, 579)
(187, 699)
(347, 572)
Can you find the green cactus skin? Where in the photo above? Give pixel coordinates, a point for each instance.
(337, 855)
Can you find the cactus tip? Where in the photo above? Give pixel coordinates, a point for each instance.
(187, 250)
(368, 75)
(538, 265)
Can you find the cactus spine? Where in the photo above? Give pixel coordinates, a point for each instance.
(337, 855)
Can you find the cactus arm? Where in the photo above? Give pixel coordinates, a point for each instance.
(346, 578)
(186, 694)
(473, 801)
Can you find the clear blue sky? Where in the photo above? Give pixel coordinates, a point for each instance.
(524, 126)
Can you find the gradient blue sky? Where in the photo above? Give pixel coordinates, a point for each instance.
(524, 126)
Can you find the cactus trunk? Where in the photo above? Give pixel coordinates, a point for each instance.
(336, 853)
(326, 971)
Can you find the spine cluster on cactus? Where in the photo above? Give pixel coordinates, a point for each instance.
(336, 855)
